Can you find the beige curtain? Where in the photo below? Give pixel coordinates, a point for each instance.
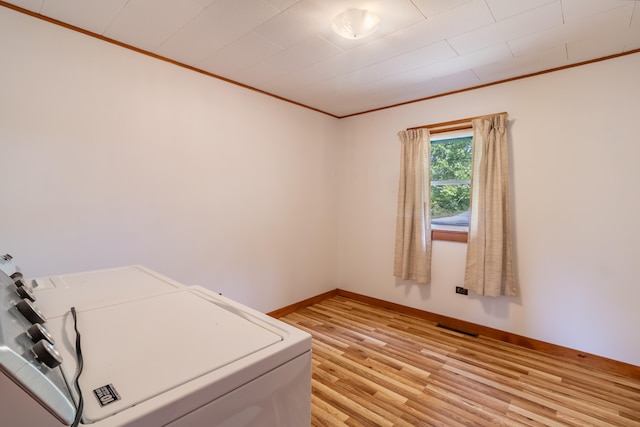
(489, 269)
(412, 259)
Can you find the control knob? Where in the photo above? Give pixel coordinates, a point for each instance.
(37, 332)
(46, 353)
(30, 311)
(17, 279)
(25, 292)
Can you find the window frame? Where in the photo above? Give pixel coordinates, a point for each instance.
(442, 127)
(449, 235)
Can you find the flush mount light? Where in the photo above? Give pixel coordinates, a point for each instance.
(355, 23)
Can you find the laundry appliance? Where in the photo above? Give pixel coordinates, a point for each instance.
(150, 352)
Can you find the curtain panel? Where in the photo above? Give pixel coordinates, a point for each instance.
(412, 260)
(489, 263)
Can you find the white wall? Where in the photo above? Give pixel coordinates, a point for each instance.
(113, 158)
(575, 154)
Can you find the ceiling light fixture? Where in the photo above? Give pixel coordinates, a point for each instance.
(355, 23)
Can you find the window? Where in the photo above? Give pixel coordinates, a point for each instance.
(450, 185)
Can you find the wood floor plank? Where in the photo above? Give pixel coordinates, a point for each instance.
(376, 367)
(326, 415)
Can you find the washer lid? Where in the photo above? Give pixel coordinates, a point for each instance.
(136, 350)
(98, 288)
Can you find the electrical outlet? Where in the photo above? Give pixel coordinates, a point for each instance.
(461, 290)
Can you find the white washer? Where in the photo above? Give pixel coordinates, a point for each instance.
(157, 353)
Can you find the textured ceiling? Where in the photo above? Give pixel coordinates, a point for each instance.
(422, 48)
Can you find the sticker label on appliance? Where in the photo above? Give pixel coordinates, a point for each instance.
(106, 394)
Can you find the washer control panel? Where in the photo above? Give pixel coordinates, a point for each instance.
(28, 355)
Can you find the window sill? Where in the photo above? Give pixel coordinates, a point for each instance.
(449, 235)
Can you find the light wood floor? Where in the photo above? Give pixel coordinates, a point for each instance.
(375, 367)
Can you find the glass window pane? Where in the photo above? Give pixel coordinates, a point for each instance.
(450, 189)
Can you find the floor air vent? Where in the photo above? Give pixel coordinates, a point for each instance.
(449, 328)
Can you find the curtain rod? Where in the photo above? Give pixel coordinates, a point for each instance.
(453, 125)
